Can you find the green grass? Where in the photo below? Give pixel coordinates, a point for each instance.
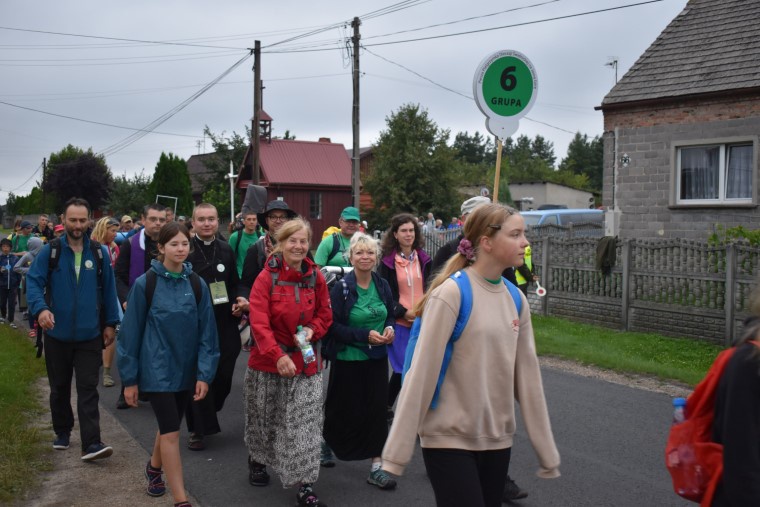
(679, 359)
(22, 452)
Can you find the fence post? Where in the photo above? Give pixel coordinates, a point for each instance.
(730, 292)
(626, 279)
(546, 275)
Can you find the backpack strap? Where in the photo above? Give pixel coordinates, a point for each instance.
(237, 243)
(150, 286)
(335, 247)
(515, 292)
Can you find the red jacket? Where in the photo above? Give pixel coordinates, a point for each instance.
(275, 315)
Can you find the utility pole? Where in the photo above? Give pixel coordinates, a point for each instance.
(355, 181)
(44, 174)
(255, 134)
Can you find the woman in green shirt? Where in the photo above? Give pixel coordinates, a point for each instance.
(355, 412)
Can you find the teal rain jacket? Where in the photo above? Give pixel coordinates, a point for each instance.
(167, 347)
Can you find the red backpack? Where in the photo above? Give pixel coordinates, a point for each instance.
(694, 461)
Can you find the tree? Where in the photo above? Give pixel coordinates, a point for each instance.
(24, 204)
(585, 157)
(414, 168)
(129, 195)
(171, 179)
(73, 172)
(225, 150)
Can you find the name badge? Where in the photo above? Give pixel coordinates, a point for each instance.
(218, 293)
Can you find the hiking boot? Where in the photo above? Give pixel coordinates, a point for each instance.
(512, 491)
(307, 498)
(156, 485)
(381, 479)
(257, 474)
(61, 442)
(326, 458)
(121, 404)
(107, 380)
(196, 442)
(96, 451)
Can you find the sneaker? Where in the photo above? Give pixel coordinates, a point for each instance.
(512, 491)
(156, 485)
(2, 320)
(196, 442)
(61, 442)
(307, 498)
(381, 479)
(326, 458)
(107, 380)
(96, 451)
(257, 474)
(13, 325)
(121, 404)
(32, 333)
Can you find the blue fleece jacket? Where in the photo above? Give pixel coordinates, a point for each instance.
(167, 347)
(76, 304)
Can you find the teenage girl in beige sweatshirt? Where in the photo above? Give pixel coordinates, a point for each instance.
(466, 440)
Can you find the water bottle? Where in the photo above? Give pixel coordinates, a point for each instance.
(303, 343)
(684, 457)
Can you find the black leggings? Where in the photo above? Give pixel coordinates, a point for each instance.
(394, 387)
(169, 409)
(472, 478)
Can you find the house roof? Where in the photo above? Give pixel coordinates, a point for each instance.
(363, 152)
(711, 46)
(289, 162)
(198, 172)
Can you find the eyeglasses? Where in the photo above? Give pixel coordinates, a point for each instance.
(278, 218)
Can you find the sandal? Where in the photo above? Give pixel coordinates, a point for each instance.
(196, 442)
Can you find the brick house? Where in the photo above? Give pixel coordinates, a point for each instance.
(681, 127)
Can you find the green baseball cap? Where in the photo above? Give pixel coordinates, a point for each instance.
(350, 213)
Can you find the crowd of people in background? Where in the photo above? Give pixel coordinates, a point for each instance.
(151, 274)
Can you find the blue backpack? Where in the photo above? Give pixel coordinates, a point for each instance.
(465, 308)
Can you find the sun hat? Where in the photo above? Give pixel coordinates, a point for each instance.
(470, 204)
(126, 218)
(275, 205)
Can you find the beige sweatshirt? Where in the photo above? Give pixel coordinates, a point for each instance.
(494, 362)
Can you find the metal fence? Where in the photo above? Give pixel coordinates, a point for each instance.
(672, 287)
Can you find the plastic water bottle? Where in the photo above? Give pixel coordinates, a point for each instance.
(303, 343)
(684, 457)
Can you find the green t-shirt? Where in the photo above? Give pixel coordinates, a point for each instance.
(20, 242)
(77, 263)
(245, 242)
(368, 312)
(325, 248)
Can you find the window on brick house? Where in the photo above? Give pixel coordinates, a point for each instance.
(315, 205)
(715, 173)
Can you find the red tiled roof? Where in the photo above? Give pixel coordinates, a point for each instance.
(287, 161)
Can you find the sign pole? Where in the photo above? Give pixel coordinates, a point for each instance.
(498, 171)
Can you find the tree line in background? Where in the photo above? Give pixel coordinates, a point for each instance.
(416, 170)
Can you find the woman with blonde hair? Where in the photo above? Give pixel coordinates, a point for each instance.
(467, 438)
(355, 412)
(104, 233)
(282, 390)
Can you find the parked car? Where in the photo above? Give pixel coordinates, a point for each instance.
(562, 216)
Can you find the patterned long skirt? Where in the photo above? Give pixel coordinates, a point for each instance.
(283, 424)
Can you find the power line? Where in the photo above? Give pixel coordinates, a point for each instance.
(27, 180)
(90, 121)
(469, 32)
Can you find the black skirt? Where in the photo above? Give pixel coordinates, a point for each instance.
(356, 426)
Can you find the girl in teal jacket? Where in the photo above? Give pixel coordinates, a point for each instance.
(169, 351)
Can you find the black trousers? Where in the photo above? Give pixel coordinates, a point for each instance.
(472, 478)
(83, 359)
(8, 302)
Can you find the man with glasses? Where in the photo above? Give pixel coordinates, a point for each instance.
(333, 250)
(134, 259)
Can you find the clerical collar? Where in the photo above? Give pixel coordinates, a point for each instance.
(209, 242)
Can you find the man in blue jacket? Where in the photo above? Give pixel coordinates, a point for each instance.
(79, 315)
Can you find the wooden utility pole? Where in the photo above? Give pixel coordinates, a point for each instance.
(255, 134)
(44, 174)
(355, 180)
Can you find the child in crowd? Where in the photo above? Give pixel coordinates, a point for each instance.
(9, 281)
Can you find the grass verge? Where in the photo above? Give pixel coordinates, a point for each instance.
(22, 452)
(681, 359)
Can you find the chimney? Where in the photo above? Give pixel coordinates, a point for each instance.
(324, 140)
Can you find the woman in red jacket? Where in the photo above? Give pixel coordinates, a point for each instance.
(282, 392)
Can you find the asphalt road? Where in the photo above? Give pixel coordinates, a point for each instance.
(610, 437)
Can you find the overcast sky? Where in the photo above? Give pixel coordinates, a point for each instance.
(130, 84)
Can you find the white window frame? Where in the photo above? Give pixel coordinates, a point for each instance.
(722, 144)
